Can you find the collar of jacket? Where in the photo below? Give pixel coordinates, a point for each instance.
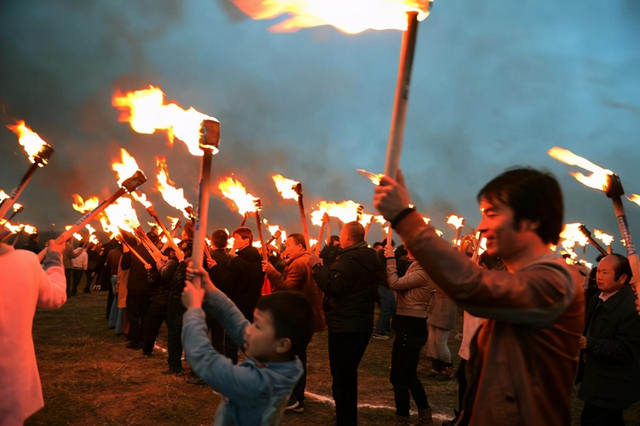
(353, 247)
(298, 256)
(612, 303)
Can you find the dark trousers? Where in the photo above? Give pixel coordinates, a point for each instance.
(597, 415)
(110, 296)
(77, 276)
(461, 375)
(411, 336)
(87, 286)
(175, 311)
(345, 353)
(68, 275)
(298, 390)
(217, 333)
(137, 309)
(157, 315)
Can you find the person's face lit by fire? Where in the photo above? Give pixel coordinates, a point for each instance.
(505, 238)
(607, 277)
(292, 248)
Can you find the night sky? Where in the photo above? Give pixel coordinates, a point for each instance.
(495, 84)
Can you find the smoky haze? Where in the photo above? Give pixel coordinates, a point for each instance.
(495, 84)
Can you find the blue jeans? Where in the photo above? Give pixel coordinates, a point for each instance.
(387, 310)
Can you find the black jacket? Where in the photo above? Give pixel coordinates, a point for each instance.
(350, 286)
(246, 280)
(220, 274)
(609, 365)
(138, 276)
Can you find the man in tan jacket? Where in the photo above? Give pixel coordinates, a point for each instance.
(524, 355)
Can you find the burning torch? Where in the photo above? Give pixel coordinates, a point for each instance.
(592, 241)
(258, 209)
(292, 190)
(142, 199)
(457, 223)
(39, 153)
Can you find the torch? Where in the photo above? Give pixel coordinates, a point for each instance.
(209, 140)
(17, 208)
(457, 222)
(39, 153)
(605, 238)
(609, 182)
(128, 185)
(258, 209)
(325, 223)
(142, 199)
(292, 190)
(592, 241)
(120, 238)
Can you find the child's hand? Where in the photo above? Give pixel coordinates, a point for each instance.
(192, 296)
(192, 273)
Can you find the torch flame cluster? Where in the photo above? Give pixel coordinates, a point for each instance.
(286, 187)
(236, 192)
(346, 211)
(126, 168)
(597, 179)
(172, 195)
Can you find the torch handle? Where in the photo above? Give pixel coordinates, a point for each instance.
(597, 246)
(149, 246)
(136, 254)
(244, 219)
(399, 115)
(88, 217)
(8, 202)
(455, 242)
(259, 224)
(165, 231)
(618, 208)
(207, 252)
(200, 231)
(303, 219)
(320, 237)
(389, 236)
(15, 241)
(366, 228)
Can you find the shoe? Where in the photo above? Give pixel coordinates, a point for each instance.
(133, 346)
(425, 416)
(147, 354)
(295, 407)
(402, 420)
(380, 336)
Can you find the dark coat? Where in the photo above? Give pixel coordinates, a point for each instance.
(350, 286)
(138, 281)
(609, 365)
(220, 274)
(246, 280)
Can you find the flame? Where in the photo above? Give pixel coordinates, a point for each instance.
(313, 242)
(127, 168)
(77, 236)
(483, 245)
(373, 177)
(286, 187)
(553, 247)
(456, 221)
(380, 219)
(605, 238)
(230, 242)
(275, 228)
(346, 211)
(236, 192)
(351, 17)
(11, 227)
(3, 195)
(111, 230)
(173, 221)
(426, 220)
(93, 239)
(142, 199)
(172, 195)
(146, 112)
(572, 236)
(365, 219)
(83, 206)
(32, 143)
(439, 233)
(624, 242)
(17, 206)
(90, 228)
(122, 215)
(635, 198)
(598, 177)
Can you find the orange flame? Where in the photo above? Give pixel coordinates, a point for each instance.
(121, 214)
(146, 112)
(571, 236)
(172, 195)
(346, 211)
(598, 177)
(635, 198)
(90, 228)
(30, 229)
(17, 206)
(84, 206)
(605, 238)
(455, 221)
(173, 221)
(427, 220)
(3, 195)
(351, 17)
(285, 187)
(365, 219)
(141, 198)
(32, 143)
(380, 219)
(126, 168)
(313, 242)
(236, 192)
(373, 177)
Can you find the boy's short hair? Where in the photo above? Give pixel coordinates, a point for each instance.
(244, 232)
(299, 239)
(292, 317)
(219, 238)
(532, 195)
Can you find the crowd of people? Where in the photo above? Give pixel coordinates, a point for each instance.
(533, 325)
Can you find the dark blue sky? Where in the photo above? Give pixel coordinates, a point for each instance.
(495, 84)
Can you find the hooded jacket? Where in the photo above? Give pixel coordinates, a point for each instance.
(350, 287)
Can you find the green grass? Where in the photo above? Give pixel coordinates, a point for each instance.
(90, 378)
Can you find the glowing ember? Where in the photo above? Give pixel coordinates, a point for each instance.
(82, 206)
(605, 238)
(598, 177)
(236, 192)
(147, 112)
(285, 187)
(172, 195)
(439, 233)
(374, 178)
(126, 168)
(141, 197)
(77, 236)
(483, 245)
(32, 143)
(351, 17)
(456, 221)
(346, 211)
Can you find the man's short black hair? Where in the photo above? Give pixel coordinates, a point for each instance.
(532, 195)
(292, 317)
(244, 233)
(355, 231)
(299, 239)
(377, 244)
(623, 267)
(219, 238)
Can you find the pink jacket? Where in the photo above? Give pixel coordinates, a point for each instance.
(24, 286)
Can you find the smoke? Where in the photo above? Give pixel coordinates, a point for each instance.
(494, 85)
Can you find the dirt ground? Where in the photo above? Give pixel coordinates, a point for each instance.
(90, 378)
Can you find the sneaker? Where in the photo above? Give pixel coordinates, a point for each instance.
(295, 407)
(380, 336)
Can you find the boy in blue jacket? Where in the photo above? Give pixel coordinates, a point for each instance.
(256, 391)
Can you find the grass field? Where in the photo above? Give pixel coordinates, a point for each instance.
(90, 378)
